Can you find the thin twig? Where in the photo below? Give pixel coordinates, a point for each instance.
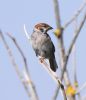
(70, 49)
(26, 72)
(26, 33)
(75, 15)
(57, 13)
(20, 50)
(14, 63)
(60, 44)
(84, 98)
(28, 81)
(74, 53)
(72, 44)
(74, 62)
(81, 88)
(55, 78)
(76, 35)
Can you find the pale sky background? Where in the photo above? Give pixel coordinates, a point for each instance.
(15, 13)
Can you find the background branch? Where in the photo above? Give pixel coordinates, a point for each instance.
(74, 61)
(81, 88)
(72, 43)
(55, 78)
(61, 46)
(57, 13)
(20, 50)
(76, 35)
(14, 63)
(26, 33)
(64, 58)
(83, 5)
(25, 81)
(26, 71)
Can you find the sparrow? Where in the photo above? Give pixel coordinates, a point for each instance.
(43, 45)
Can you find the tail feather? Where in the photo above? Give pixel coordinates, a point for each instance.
(53, 64)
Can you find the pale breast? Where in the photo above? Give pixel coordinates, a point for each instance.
(42, 43)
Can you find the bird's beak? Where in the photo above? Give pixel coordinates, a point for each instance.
(49, 28)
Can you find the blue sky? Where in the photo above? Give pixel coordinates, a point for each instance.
(13, 14)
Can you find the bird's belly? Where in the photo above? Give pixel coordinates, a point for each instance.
(44, 50)
(43, 46)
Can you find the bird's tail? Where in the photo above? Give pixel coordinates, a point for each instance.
(53, 64)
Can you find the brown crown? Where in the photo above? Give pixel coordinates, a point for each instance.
(38, 26)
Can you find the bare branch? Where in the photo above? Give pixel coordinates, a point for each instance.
(61, 46)
(72, 43)
(16, 44)
(75, 15)
(76, 35)
(28, 81)
(55, 78)
(14, 63)
(81, 88)
(57, 13)
(26, 33)
(71, 46)
(74, 52)
(84, 98)
(69, 51)
(74, 62)
(26, 72)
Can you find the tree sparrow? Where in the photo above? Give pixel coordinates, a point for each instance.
(42, 44)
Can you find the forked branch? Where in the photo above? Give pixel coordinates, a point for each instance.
(24, 77)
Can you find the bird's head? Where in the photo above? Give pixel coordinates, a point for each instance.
(42, 27)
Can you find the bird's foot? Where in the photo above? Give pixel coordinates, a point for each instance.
(41, 59)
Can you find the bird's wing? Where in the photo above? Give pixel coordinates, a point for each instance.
(53, 47)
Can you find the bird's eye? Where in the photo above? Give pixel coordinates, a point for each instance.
(41, 29)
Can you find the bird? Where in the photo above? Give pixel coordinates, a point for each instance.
(43, 45)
